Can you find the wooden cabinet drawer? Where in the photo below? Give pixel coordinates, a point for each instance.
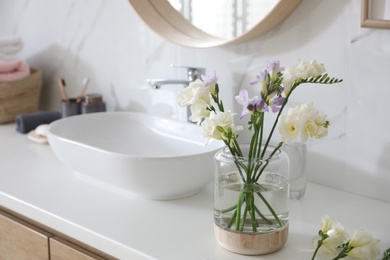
(20, 240)
(25, 239)
(61, 249)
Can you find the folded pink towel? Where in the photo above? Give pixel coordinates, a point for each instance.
(13, 70)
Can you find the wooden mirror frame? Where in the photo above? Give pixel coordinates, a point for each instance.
(366, 22)
(164, 20)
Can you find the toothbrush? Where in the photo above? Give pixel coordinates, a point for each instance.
(61, 83)
(85, 83)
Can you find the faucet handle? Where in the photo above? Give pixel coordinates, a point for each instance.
(193, 73)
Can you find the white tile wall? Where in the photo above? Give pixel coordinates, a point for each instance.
(107, 42)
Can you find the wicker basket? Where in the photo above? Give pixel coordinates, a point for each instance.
(20, 96)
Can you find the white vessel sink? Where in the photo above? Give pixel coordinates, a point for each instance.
(147, 156)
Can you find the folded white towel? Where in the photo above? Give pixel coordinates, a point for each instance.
(10, 45)
(7, 57)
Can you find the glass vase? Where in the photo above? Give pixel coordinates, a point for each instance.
(297, 153)
(251, 201)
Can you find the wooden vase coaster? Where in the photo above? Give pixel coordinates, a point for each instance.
(251, 244)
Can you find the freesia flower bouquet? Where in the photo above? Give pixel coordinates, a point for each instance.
(276, 86)
(333, 240)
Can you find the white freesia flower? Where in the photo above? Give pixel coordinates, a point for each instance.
(288, 127)
(307, 69)
(217, 125)
(288, 80)
(335, 232)
(195, 91)
(360, 238)
(363, 246)
(316, 69)
(327, 223)
(199, 111)
(331, 240)
(303, 121)
(301, 70)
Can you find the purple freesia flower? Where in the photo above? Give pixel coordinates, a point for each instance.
(261, 106)
(211, 79)
(276, 103)
(274, 68)
(242, 97)
(248, 104)
(260, 78)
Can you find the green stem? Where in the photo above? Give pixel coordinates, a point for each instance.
(343, 253)
(277, 118)
(262, 216)
(244, 216)
(230, 224)
(261, 171)
(270, 209)
(252, 151)
(240, 166)
(254, 146)
(260, 134)
(255, 136)
(252, 213)
(256, 178)
(216, 98)
(319, 244)
(238, 150)
(237, 162)
(239, 204)
(227, 209)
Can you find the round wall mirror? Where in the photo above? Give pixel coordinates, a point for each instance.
(205, 23)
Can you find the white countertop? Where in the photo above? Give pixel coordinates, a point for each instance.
(34, 183)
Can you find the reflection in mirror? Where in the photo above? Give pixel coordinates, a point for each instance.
(380, 10)
(226, 19)
(163, 19)
(375, 14)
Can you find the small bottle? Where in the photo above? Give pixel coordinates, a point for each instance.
(93, 103)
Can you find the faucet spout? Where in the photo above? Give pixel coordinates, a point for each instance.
(192, 75)
(157, 83)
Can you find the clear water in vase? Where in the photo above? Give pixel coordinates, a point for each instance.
(271, 189)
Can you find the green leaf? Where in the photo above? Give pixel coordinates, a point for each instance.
(386, 255)
(220, 129)
(321, 79)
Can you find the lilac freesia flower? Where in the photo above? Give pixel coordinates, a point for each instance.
(276, 103)
(210, 80)
(248, 104)
(261, 106)
(274, 68)
(242, 97)
(260, 78)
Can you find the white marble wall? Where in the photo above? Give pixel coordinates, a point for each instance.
(107, 42)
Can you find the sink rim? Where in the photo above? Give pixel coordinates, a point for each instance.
(208, 147)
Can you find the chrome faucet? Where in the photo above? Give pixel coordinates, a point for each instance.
(157, 83)
(192, 75)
